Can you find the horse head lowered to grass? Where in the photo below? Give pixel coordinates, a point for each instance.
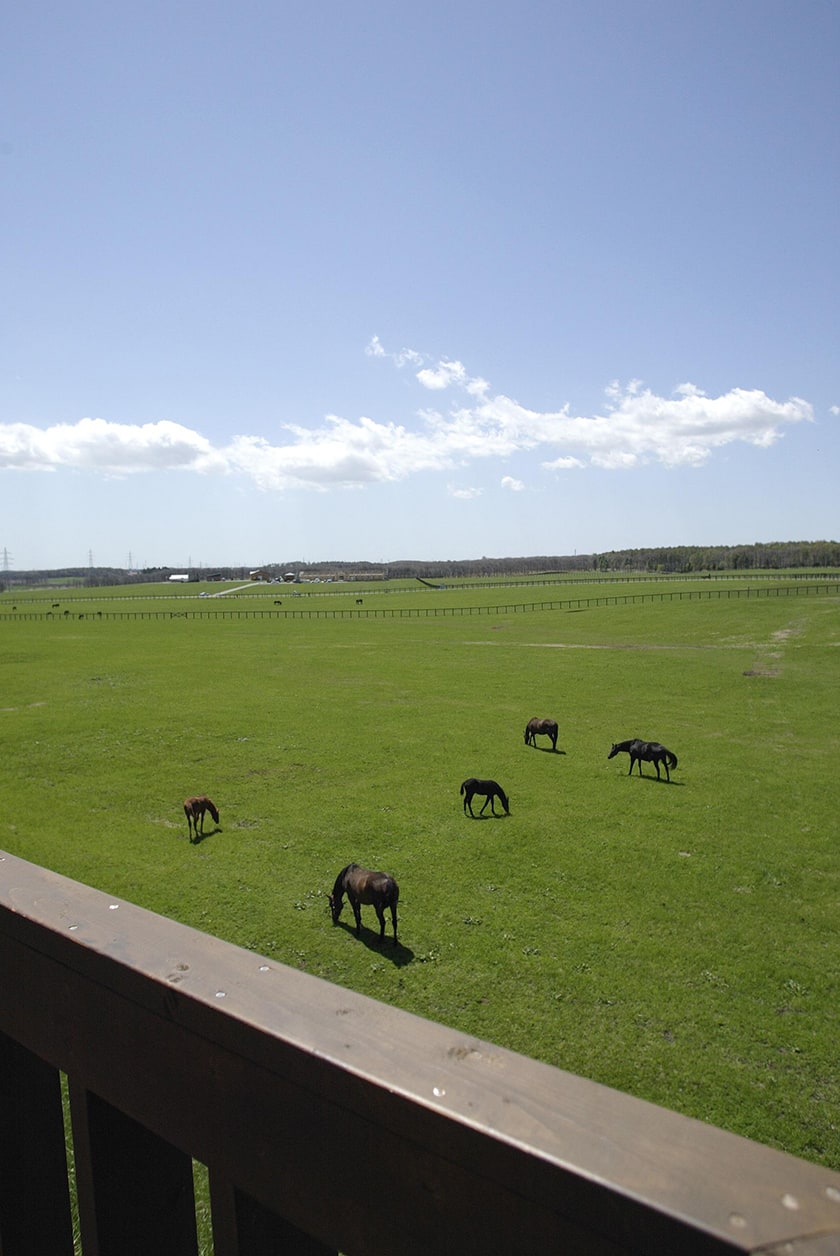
(489, 790)
(543, 728)
(650, 751)
(361, 885)
(194, 809)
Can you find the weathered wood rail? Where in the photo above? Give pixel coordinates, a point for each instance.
(328, 1121)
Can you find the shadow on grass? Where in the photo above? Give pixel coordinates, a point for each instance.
(202, 837)
(399, 955)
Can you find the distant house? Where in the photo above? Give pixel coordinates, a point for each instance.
(261, 574)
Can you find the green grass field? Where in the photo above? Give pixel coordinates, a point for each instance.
(676, 941)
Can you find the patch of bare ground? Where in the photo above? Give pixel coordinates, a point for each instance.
(765, 662)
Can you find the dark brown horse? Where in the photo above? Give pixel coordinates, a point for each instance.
(541, 728)
(489, 790)
(377, 889)
(650, 751)
(194, 809)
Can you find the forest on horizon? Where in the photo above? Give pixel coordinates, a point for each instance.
(650, 560)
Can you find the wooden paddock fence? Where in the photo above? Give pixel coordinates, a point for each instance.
(280, 611)
(327, 1121)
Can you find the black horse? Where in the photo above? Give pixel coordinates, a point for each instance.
(194, 809)
(490, 790)
(650, 751)
(535, 728)
(363, 886)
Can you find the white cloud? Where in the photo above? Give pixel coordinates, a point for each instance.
(115, 448)
(636, 427)
(443, 375)
(464, 494)
(515, 486)
(563, 464)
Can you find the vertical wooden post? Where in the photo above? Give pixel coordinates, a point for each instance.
(243, 1227)
(135, 1190)
(34, 1190)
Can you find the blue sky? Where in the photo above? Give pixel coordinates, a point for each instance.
(340, 280)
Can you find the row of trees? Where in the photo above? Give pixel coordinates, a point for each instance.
(761, 556)
(672, 559)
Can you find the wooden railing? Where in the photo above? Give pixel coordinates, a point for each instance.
(327, 1121)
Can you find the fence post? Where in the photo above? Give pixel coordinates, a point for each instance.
(243, 1227)
(135, 1190)
(34, 1193)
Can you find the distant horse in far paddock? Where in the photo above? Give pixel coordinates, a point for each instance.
(489, 790)
(535, 728)
(194, 809)
(363, 886)
(650, 751)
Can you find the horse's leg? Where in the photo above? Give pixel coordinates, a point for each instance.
(380, 915)
(488, 798)
(394, 920)
(357, 912)
(656, 765)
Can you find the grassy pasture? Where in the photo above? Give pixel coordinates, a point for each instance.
(679, 942)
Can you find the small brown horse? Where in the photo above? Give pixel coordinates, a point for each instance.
(377, 889)
(194, 809)
(546, 728)
(489, 790)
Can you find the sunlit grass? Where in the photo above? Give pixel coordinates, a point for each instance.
(678, 942)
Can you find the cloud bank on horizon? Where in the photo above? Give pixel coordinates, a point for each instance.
(636, 427)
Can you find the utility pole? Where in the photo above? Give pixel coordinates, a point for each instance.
(7, 559)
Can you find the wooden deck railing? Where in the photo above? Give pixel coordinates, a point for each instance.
(327, 1121)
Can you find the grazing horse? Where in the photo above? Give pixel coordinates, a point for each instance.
(535, 728)
(650, 751)
(363, 886)
(194, 809)
(490, 790)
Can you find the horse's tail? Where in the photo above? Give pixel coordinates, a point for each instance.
(672, 759)
(463, 787)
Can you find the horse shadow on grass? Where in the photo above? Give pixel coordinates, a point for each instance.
(399, 955)
(202, 837)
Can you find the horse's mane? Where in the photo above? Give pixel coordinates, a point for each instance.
(338, 886)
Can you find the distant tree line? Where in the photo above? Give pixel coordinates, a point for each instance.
(761, 556)
(669, 560)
